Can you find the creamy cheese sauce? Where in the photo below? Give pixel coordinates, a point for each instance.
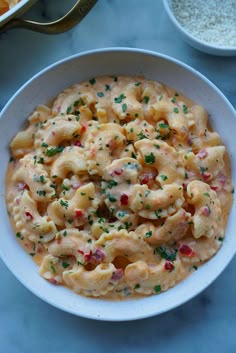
(119, 188)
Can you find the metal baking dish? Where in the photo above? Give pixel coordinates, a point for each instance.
(11, 19)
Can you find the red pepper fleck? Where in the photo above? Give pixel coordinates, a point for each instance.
(215, 188)
(205, 211)
(145, 178)
(124, 199)
(78, 143)
(117, 274)
(98, 255)
(28, 216)
(79, 213)
(118, 171)
(83, 128)
(185, 250)
(202, 154)
(53, 281)
(80, 252)
(169, 266)
(206, 176)
(222, 179)
(76, 185)
(88, 256)
(21, 186)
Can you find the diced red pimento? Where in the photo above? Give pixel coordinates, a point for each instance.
(147, 177)
(169, 266)
(117, 274)
(118, 171)
(98, 255)
(124, 200)
(28, 216)
(186, 250)
(88, 256)
(202, 154)
(78, 143)
(222, 179)
(79, 213)
(215, 188)
(21, 186)
(53, 281)
(205, 211)
(76, 185)
(83, 128)
(206, 176)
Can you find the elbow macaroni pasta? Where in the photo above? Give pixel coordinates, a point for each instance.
(120, 188)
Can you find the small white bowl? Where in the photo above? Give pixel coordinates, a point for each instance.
(194, 41)
(46, 85)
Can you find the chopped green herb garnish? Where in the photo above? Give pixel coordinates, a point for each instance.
(42, 179)
(206, 194)
(142, 135)
(120, 98)
(19, 235)
(148, 234)
(41, 192)
(166, 253)
(64, 204)
(111, 184)
(163, 177)
(65, 264)
(157, 288)
(112, 198)
(124, 107)
(146, 99)
(53, 268)
(69, 109)
(92, 81)
(50, 152)
(176, 110)
(185, 109)
(149, 158)
(164, 126)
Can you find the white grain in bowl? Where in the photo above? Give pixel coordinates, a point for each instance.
(44, 86)
(206, 25)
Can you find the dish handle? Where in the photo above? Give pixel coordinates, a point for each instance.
(65, 23)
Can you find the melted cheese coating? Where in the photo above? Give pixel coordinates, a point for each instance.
(120, 188)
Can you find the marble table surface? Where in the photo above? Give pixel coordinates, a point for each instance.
(27, 324)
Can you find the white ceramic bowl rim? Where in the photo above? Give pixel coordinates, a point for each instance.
(190, 36)
(15, 10)
(128, 309)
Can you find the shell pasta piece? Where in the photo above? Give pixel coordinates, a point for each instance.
(119, 188)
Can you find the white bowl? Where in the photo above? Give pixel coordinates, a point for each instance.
(194, 41)
(46, 85)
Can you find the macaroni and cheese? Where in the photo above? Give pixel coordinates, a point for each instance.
(119, 187)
